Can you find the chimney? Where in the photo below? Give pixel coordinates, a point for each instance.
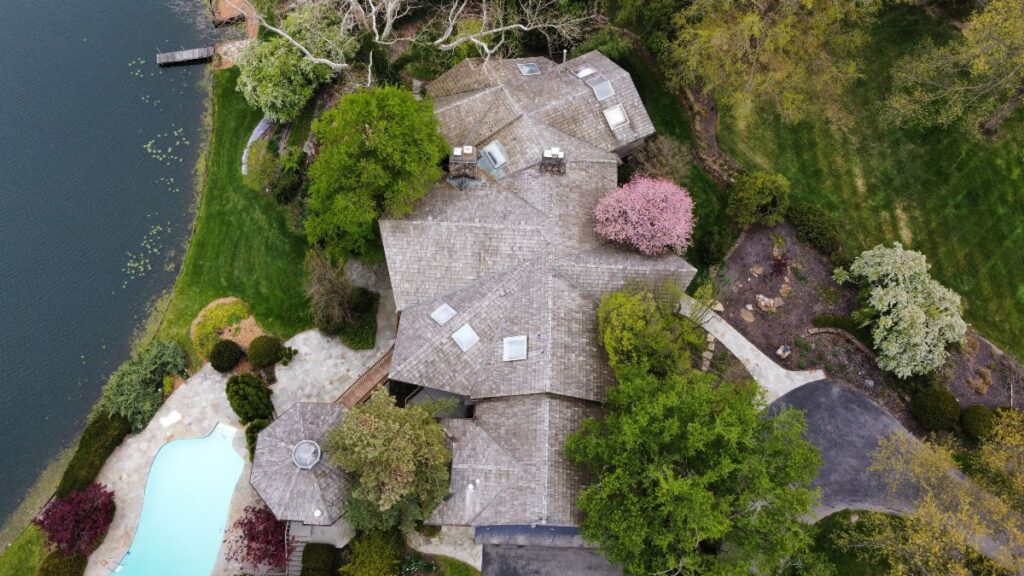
(553, 161)
(462, 162)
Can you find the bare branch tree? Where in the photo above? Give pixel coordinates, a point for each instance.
(498, 18)
(247, 7)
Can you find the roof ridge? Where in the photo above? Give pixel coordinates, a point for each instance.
(473, 137)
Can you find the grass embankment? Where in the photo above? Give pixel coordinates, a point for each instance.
(25, 554)
(243, 244)
(954, 198)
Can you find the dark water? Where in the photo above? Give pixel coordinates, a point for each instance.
(91, 218)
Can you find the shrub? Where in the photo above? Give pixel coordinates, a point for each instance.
(416, 564)
(375, 553)
(329, 293)
(361, 332)
(225, 355)
(216, 319)
(252, 433)
(319, 559)
(977, 421)
(758, 198)
(265, 351)
(262, 167)
(57, 564)
(77, 523)
(935, 409)
(258, 538)
(135, 389)
(651, 215)
(817, 228)
(249, 398)
(101, 436)
(712, 245)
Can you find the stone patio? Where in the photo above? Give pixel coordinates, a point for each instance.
(321, 371)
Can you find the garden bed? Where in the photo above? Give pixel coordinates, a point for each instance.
(979, 373)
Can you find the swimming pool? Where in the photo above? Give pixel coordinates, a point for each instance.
(188, 494)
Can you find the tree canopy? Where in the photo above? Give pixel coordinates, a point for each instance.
(653, 215)
(277, 79)
(913, 318)
(399, 457)
(690, 475)
(380, 151)
(797, 55)
(974, 80)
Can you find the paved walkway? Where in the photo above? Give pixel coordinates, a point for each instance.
(321, 371)
(774, 380)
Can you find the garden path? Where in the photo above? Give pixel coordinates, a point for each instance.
(773, 379)
(321, 371)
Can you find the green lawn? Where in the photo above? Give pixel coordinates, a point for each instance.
(242, 245)
(25, 554)
(958, 200)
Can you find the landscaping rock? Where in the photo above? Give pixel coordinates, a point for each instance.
(757, 270)
(717, 306)
(785, 291)
(784, 351)
(747, 315)
(869, 383)
(765, 303)
(749, 307)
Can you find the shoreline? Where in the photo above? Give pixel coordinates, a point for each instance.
(39, 493)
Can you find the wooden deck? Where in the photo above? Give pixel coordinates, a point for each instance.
(374, 377)
(185, 56)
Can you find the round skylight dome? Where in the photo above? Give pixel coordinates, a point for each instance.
(306, 454)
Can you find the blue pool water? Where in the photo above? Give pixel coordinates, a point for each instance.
(187, 499)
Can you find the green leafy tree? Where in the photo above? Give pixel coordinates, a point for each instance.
(379, 153)
(975, 80)
(797, 55)
(135, 390)
(690, 475)
(375, 553)
(399, 457)
(913, 318)
(759, 197)
(276, 78)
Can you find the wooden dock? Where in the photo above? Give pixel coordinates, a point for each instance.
(194, 55)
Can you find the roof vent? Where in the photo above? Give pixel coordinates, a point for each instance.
(528, 69)
(616, 117)
(462, 162)
(465, 337)
(514, 348)
(553, 161)
(584, 71)
(442, 314)
(495, 154)
(601, 86)
(306, 454)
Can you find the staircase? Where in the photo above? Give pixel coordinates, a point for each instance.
(297, 535)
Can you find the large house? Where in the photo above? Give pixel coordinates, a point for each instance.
(498, 273)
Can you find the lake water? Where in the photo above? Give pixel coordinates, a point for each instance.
(97, 148)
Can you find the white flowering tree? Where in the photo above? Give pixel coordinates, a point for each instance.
(913, 318)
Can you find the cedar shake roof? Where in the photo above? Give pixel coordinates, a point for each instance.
(516, 255)
(291, 492)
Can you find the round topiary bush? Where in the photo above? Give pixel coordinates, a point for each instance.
(977, 421)
(225, 356)
(935, 408)
(319, 560)
(265, 351)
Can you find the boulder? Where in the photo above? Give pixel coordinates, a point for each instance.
(747, 315)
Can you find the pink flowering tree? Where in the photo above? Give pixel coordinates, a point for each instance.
(77, 523)
(653, 215)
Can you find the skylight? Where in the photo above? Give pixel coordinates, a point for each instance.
(601, 86)
(529, 69)
(584, 71)
(442, 314)
(616, 117)
(465, 337)
(514, 348)
(495, 154)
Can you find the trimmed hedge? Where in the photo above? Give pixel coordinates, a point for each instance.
(225, 355)
(101, 436)
(361, 333)
(818, 228)
(935, 409)
(265, 351)
(249, 398)
(977, 421)
(57, 564)
(252, 433)
(319, 560)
